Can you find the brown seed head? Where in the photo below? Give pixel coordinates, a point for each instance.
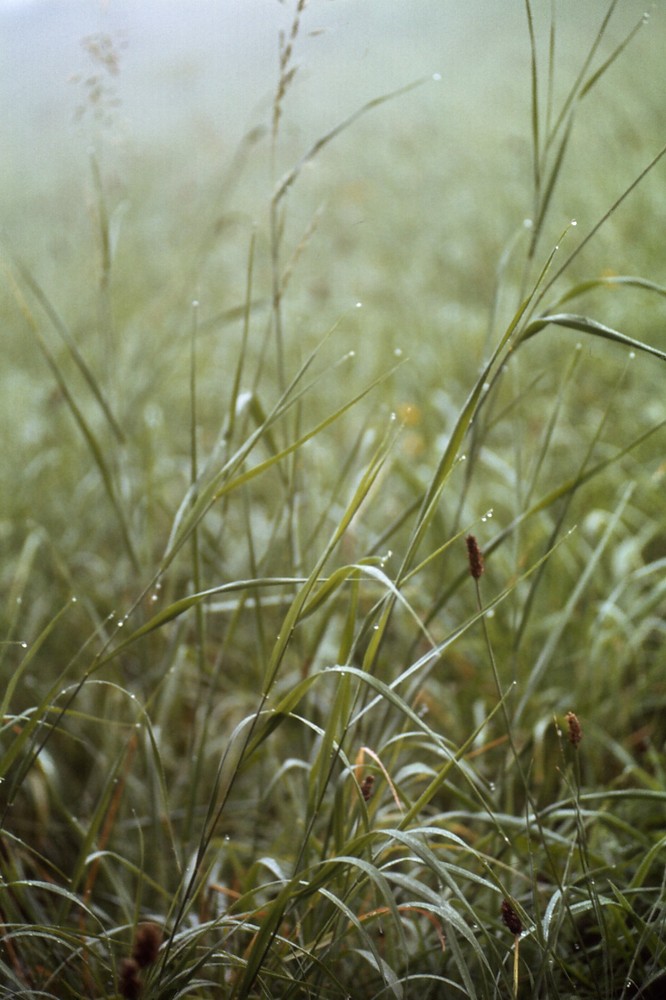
(128, 980)
(474, 556)
(575, 730)
(146, 944)
(366, 786)
(511, 918)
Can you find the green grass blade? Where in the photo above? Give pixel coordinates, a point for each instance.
(589, 326)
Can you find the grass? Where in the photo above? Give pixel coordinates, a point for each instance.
(334, 599)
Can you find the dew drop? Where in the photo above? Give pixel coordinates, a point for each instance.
(527, 223)
(437, 77)
(24, 645)
(195, 303)
(154, 598)
(574, 222)
(645, 18)
(397, 352)
(19, 600)
(359, 305)
(632, 355)
(490, 613)
(351, 354)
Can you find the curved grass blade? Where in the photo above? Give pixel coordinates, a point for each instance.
(590, 326)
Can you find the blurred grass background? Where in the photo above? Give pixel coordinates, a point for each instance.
(427, 190)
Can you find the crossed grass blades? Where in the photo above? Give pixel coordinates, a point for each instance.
(324, 751)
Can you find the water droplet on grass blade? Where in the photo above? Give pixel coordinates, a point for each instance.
(437, 77)
(359, 305)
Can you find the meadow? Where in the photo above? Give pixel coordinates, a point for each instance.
(332, 505)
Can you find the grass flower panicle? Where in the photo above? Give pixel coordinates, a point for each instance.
(511, 918)
(367, 786)
(129, 979)
(147, 944)
(574, 729)
(475, 557)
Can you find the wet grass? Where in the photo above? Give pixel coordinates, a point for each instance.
(335, 543)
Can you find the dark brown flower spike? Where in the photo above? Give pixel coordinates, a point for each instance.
(511, 918)
(575, 730)
(475, 557)
(146, 944)
(128, 980)
(366, 786)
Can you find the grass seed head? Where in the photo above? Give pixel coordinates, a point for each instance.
(475, 557)
(129, 981)
(575, 730)
(511, 918)
(366, 786)
(146, 944)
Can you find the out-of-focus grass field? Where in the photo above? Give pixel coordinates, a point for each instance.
(411, 208)
(172, 334)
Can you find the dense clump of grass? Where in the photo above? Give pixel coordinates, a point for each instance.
(329, 676)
